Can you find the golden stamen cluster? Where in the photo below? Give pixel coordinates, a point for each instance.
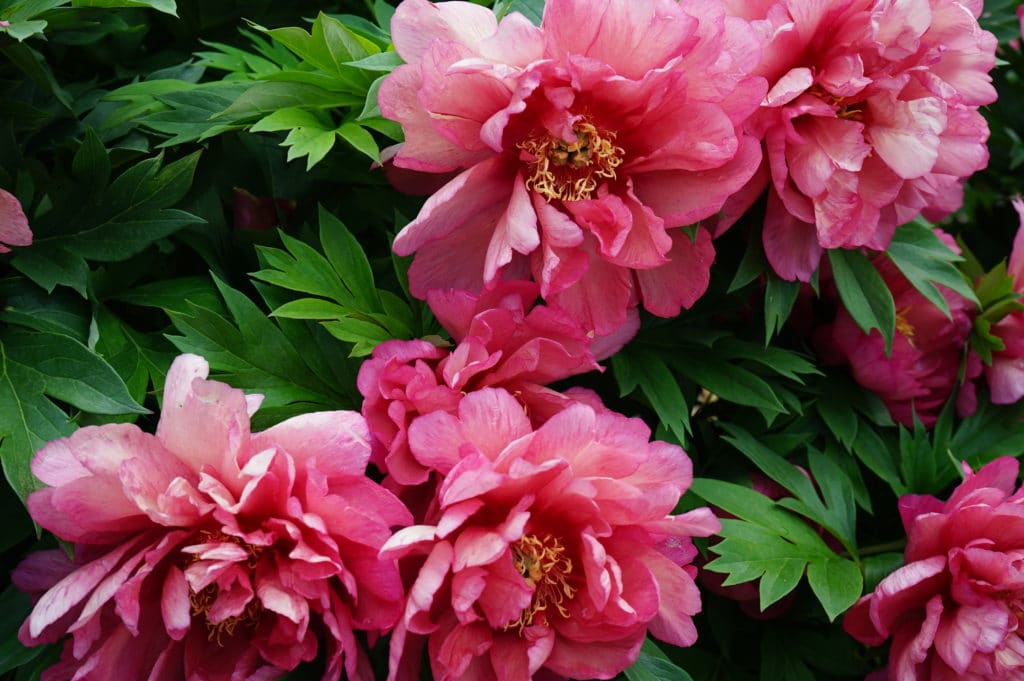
(570, 171)
(545, 567)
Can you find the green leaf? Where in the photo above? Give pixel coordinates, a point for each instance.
(647, 371)
(864, 293)
(311, 142)
(53, 267)
(779, 298)
(165, 6)
(311, 308)
(286, 119)
(729, 381)
(838, 414)
(33, 367)
(360, 140)
(925, 261)
(265, 97)
(135, 212)
(653, 665)
(837, 583)
(874, 453)
(15, 607)
(531, 9)
(349, 261)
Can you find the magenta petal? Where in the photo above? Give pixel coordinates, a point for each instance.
(14, 229)
(683, 280)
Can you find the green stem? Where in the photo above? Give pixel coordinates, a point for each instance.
(874, 549)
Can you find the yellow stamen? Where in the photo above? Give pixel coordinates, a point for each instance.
(903, 325)
(569, 171)
(545, 567)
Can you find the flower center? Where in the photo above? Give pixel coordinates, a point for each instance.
(545, 567)
(569, 171)
(847, 110)
(203, 601)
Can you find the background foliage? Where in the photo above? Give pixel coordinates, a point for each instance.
(201, 177)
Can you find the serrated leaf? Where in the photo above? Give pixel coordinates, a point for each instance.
(313, 143)
(864, 293)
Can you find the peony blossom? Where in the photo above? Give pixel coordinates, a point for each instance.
(953, 610)
(548, 550)
(871, 119)
(1005, 376)
(928, 349)
(14, 229)
(501, 340)
(208, 552)
(581, 147)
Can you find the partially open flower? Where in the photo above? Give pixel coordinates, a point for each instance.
(546, 549)
(210, 553)
(953, 610)
(582, 146)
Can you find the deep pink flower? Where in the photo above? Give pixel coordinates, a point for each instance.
(210, 553)
(582, 145)
(871, 118)
(1005, 376)
(14, 229)
(953, 610)
(260, 213)
(547, 549)
(927, 350)
(501, 340)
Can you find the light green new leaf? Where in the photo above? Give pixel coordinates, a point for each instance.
(360, 139)
(314, 143)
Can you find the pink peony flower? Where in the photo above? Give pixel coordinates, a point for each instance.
(500, 341)
(210, 553)
(871, 118)
(14, 229)
(547, 549)
(582, 146)
(1005, 376)
(927, 350)
(953, 610)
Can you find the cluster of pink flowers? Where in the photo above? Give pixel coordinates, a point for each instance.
(210, 553)
(579, 149)
(954, 610)
(519, 531)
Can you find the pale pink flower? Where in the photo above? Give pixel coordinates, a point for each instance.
(501, 339)
(953, 610)
(546, 549)
(210, 553)
(14, 229)
(927, 351)
(1005, 376)
(582, 146)
(871, 119)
